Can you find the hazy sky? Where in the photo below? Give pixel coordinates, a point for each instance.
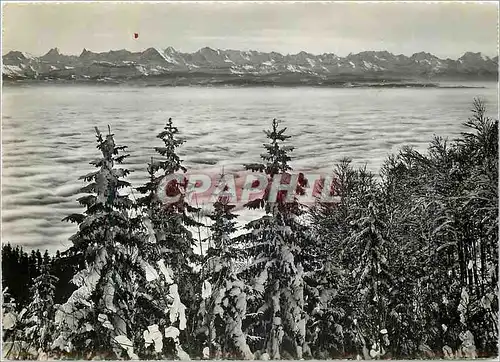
(444, 29)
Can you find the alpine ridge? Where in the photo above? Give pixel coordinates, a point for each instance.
(154, 66)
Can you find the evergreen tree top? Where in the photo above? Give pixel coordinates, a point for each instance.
(276, 159)
(222, 205)
(169, 164)
(172, 163)
(108, 148)
(277, 163)
(106, 208)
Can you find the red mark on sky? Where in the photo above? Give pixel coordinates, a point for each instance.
(136, 35)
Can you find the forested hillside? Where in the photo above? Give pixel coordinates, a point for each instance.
(402, 265)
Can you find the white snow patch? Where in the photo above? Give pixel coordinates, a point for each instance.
(206, 290)
(206, 352)
(11, 70)
(368, 65)
(153, 336)
(165, 271)
(103, 62)
(172, 332)
(9, 321)
(151, 273)
(177, 309)
(150, 230)
(167, 58)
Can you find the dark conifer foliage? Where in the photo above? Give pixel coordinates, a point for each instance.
(435, 255)
(16, 273)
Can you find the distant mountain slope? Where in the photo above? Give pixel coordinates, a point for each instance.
(207, 65)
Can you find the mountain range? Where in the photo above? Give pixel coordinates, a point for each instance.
(154, 66)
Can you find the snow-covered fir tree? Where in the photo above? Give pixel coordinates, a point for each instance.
(39, 319)
(167, 217)
(275, 244)
(101, 316)
(14, 345)
(166, 211)
(224, 294)
(374, 281)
